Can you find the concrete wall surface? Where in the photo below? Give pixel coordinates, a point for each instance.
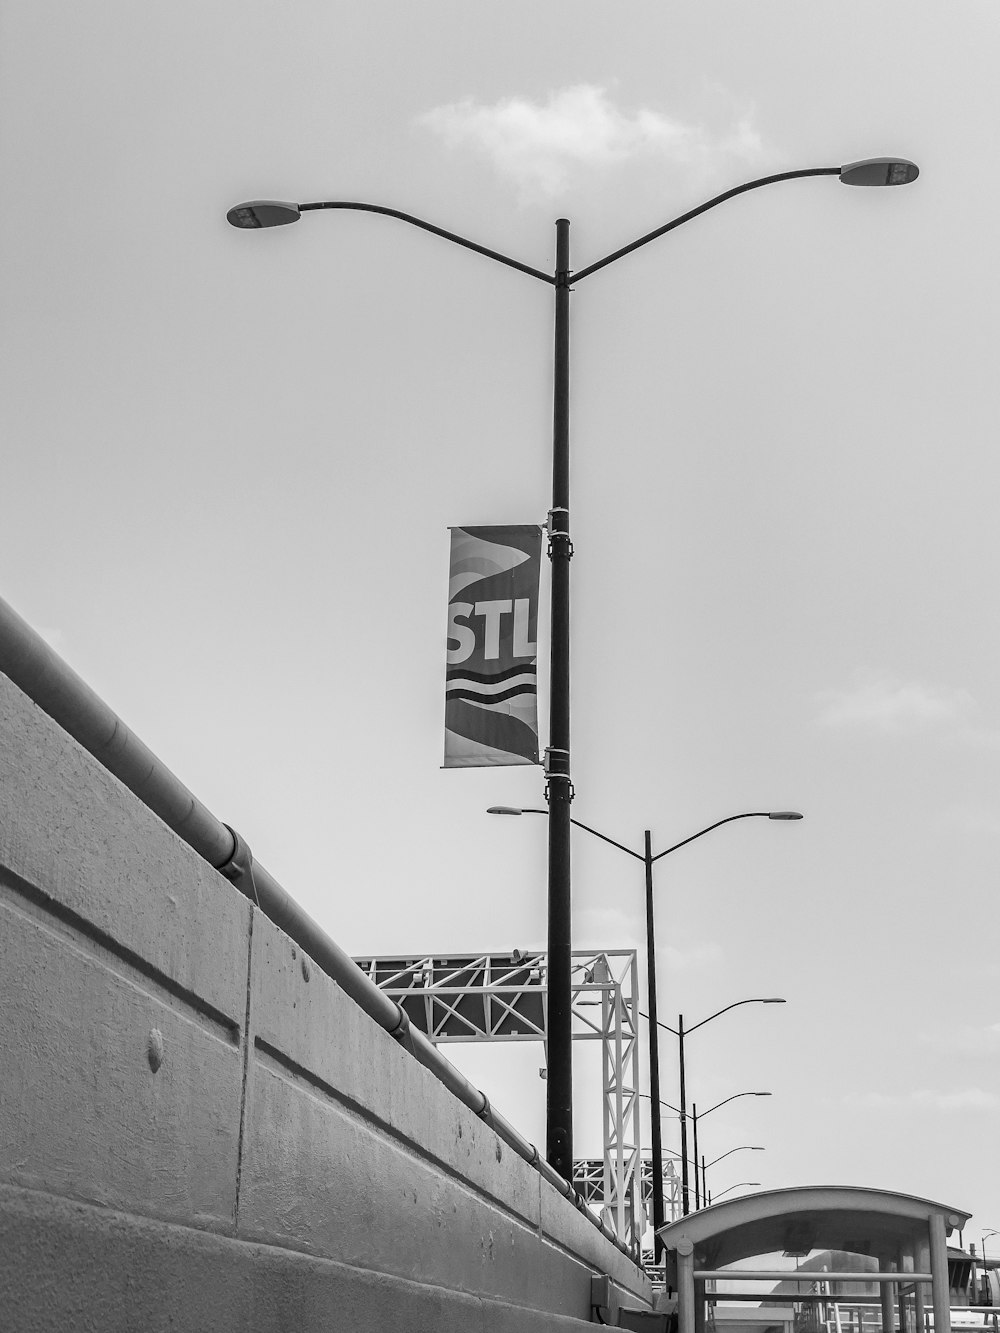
(200, 1130)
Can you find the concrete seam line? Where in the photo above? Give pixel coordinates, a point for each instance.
(49, 913)
(246, 1052)
(318, 1087)
(93, 1216)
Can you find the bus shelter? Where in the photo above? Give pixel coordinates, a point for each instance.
(907, 1236)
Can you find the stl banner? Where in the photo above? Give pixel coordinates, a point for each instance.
(490, 711)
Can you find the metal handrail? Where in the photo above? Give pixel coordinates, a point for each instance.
(40, 673)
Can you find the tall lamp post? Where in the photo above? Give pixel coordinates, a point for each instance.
(680, 1033)
(649, 860)
(259, 213)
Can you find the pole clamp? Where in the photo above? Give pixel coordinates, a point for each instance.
(239, 868)
(556, 769)
(559, 777)
(557, 528)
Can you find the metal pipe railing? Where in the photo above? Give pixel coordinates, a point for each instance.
(40, 673)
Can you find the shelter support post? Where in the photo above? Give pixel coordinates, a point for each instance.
(922, 1262)
(938, 1240)
(905, 1265)
(685, 1286)
(699, 1305)
(888, 1294)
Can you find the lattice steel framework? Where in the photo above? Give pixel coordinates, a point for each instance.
(502, 997)
(588, 1177)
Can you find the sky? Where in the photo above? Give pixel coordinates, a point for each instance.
(231, 460)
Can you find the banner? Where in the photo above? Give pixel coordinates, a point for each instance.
(490, 710)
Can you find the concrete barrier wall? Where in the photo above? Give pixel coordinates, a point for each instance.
(200, 1130)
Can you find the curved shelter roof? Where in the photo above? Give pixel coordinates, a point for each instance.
(823, 1217)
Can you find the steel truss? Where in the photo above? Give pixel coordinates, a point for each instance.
(503, 997)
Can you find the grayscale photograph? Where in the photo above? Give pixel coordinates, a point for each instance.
(397, 395)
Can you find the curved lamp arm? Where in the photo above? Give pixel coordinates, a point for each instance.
(703, 208)
(703, 1114)
(872, 171)
(276, 213)
(734, 1187)
(744, 1147)
(735, 1005)
(749, 814)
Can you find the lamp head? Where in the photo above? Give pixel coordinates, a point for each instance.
(880, 171)
(263, 213)
(504, 810)
(774, 1000)
(784, 814)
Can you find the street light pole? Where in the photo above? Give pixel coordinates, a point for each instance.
(655, 1127)
(685, 1191)
(559, 790)
(559, 787)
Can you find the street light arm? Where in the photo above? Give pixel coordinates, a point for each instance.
(749, 814)
(702, 208)
(740, 1186)
(675, 1110)
(659, 1024)
(735, 1005)
(744, 1147)
(529, 810)
(604, 838)
(703, 1114)
(437, 231)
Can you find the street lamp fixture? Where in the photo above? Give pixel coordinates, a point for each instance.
(267, 213)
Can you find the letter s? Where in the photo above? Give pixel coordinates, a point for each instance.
(462, 635)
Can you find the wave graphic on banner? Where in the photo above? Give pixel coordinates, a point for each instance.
(491, 687)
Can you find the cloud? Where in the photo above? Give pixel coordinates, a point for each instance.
(541, 145)
(955, 1099)
(884, 703)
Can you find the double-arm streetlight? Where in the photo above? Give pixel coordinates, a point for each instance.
(649, 860)
(559, 789)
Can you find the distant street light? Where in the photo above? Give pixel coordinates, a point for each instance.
(265, 213)
(744, 1147)
(649, 860)
(682, 1155)
(680, 1033)
(744, 1184)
